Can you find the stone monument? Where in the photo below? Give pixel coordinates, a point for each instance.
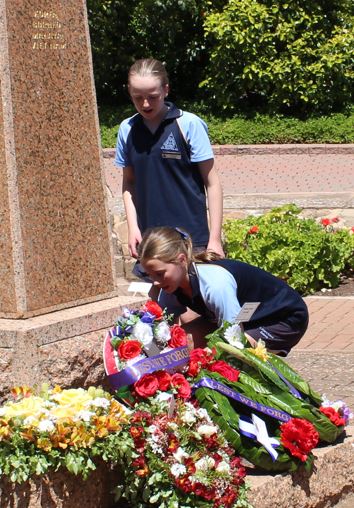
(55, 243)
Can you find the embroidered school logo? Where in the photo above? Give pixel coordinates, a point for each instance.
(170, 144)
(169, 150)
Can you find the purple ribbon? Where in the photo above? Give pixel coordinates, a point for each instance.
(206, 382)
(167, 361)
(292, 388)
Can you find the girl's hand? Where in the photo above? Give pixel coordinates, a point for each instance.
(134, 238)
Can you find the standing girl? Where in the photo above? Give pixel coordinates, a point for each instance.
(217, 288)
(167, 163)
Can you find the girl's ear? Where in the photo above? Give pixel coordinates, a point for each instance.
(182, 259)
(166, 90)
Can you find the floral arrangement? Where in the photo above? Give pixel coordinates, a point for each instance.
(58, 428)
(143, 342)
(181, 460)
(295, 418)
(267, 412)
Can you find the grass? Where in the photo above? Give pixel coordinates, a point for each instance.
(249, 129)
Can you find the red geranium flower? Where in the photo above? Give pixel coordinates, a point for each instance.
(299, 436)
(325, 222)
(225, 370)
(253, 230)
(129, 349)
(333, 415)
(147, 385)
(178, 337)
(154, 308)
(164, 379)
(183, 387)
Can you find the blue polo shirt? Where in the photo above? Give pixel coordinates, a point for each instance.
(169, 189)
(220, 288)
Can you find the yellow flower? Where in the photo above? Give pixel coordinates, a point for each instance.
(260, 350)
(25, 407)
(72, 396)
(70, 402)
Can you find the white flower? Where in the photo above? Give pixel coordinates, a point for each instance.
(85, 416)
(233, 336)
(30, 420)
(46, 426)
(188, 417)
(143, 333)
(162, 332)
(223, 467)
(152, 429)
(178, 469)
(100, 402)
(207, 430)
(163, 397)
(2, 411)
(180, 454)
(203, 414)
(204, 464)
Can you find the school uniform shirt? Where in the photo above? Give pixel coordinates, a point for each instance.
(220, 288)
(169, 189)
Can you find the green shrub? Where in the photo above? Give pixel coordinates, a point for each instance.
(335, 128)
(300, 251)
(296, 55)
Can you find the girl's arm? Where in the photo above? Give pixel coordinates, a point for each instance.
(215, 204)
(128, 189)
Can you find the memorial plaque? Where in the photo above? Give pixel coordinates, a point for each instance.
(55, 248)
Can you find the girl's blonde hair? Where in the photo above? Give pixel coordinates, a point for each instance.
(149, 67)
(166, 243)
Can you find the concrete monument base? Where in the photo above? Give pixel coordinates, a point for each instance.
(331, 479)
(62, 490)
(62, 347)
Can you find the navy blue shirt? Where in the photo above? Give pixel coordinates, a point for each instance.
(220, 288)
(169, 189)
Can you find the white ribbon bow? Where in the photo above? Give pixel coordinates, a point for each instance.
(258, 430)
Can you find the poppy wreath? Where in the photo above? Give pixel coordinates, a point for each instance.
(269, 414)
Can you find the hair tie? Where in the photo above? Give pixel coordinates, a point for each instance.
(183, 234)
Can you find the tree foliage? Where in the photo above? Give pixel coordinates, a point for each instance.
(169, 30)
(293, 54)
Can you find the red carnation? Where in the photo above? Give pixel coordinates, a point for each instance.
(153, 308)
(183, 387)
(129, 349)
(193, 369)
(225, 370)
(253, 230)
(163, 379)
(333, 415)
(147, 385)
(202, 356)
(299, 436)
(178, 337)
